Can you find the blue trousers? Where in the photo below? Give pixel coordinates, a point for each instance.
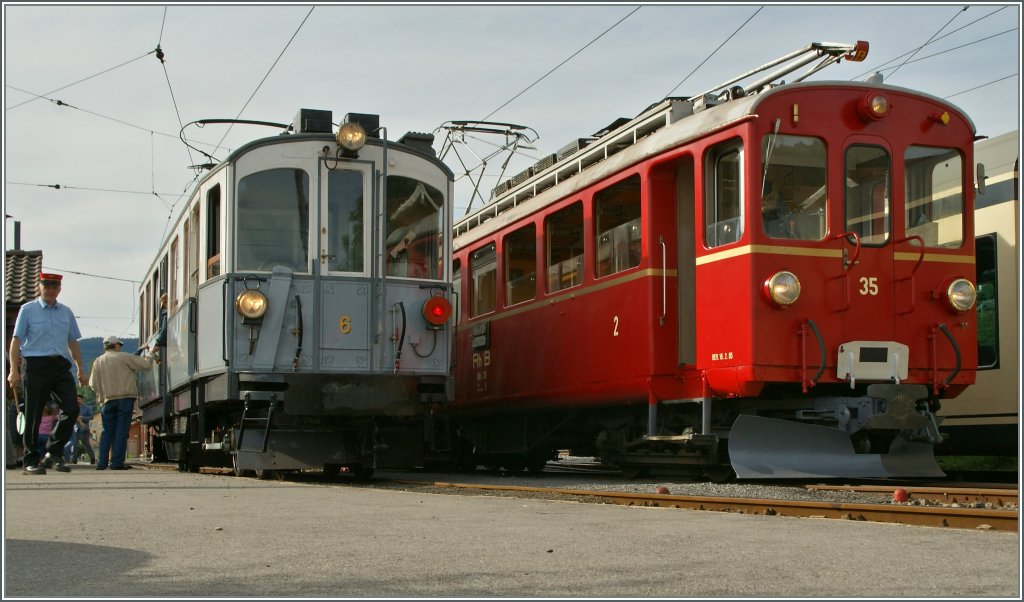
(72, 446)
(117, 417)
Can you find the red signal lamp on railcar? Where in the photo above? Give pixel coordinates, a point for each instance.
(874, 107)
(436, 311)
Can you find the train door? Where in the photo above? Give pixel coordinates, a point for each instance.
(868, 263)
(686, 291)
(344, 260)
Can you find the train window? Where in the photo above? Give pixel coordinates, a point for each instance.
(172, 275)
(345, 221)
(988, 301)
(617, 227)
(273, 220)
(867, 194)
(145, 310)
(793, 192)
(457, 289)
(520, 248)
(192, 252)
(213, 232)
(484, 269)
(934, 183)
(723, 203)
(564, 235)
(159, 286)
(415, 232)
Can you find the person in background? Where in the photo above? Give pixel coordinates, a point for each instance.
(46, 426)
(82, 433)
(11, 432)
(161, 335)
(46, 336)
(113, 380)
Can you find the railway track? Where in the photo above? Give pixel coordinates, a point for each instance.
(953, 516)
(944, 506)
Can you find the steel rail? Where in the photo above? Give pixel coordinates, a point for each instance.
(933, 516)
(945, 495)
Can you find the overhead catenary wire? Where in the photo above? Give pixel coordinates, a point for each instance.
(880, 69)
(66, 187)
(995, 81)
(714, 51)
(62, 103)
(555, 68)
(964, 9)
(962, 27)
(78, 273)
(258, 86)
(79, 81)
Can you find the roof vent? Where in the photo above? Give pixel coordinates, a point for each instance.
(369, 121)
(312, 121)
(420, 141)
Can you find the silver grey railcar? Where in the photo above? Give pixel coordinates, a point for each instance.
(308, 292)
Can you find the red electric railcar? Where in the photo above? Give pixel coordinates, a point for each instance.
(775, 276)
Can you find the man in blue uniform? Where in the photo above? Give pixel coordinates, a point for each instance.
(46, 337)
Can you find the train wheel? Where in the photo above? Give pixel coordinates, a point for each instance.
(269, 474)
(515, 466)
(720, 474)
(633, 472)
(240, 472)
(361, 473)
(536, 464)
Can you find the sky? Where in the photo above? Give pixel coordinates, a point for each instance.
(89, 106)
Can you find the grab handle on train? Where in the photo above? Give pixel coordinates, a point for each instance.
(664, 280)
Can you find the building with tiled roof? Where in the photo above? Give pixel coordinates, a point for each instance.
(21, 275)
(21, 285)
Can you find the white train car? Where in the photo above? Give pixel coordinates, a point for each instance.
(308, 295)
(985, 419)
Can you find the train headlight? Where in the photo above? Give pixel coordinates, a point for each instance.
(961, 294)
(783, 288)
(874, 107)
(436, 311)
(251, 303)
(351, 136)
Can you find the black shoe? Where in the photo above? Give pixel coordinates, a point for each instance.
(122, 467)
(62, 467)
(101, 468)
(37, 469)
(48, 463)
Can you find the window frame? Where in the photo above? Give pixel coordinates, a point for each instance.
(578, 274)
(527, 232)
(618, 261)
(714, 191)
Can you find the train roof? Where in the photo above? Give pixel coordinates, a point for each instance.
(411, 142)
(663, 125)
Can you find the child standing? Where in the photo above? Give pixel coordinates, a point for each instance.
(46, 426)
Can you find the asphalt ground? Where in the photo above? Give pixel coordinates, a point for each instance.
(149, 533)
